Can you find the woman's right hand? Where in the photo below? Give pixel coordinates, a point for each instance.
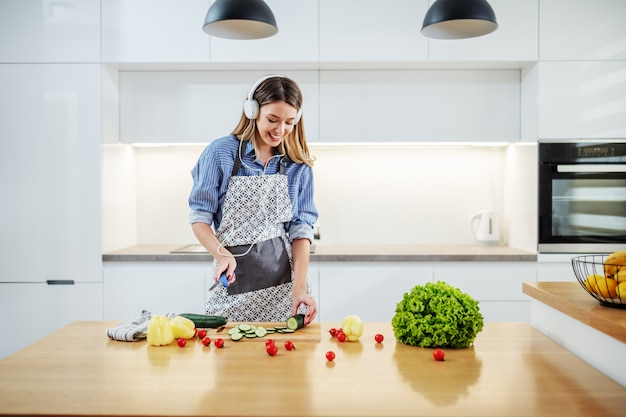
(226, 263)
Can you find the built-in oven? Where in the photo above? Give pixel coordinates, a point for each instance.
(582, 197)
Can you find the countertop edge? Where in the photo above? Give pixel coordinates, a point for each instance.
(583, 310)
(339, 253)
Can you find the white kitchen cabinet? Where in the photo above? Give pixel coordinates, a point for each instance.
(31, 311)
(582, 100)
(158, 287)
(160, 31)
(368, 31)
(36, 31)
(368, 290)
(556, 267)
(295, 42)
(582, 30)
(515, 39)
(497, 286)
(196, 106)
(419, 105)
(50, 125)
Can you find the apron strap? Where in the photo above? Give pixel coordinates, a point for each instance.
(237, 165)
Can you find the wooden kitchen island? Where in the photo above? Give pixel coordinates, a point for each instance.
(512, 370)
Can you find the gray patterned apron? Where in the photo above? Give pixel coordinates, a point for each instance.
(252, 228)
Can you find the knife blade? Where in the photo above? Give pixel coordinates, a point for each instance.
(223, 280)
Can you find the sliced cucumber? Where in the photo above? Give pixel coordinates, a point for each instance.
(244, 327)
(236, 336)
(234, 330)
(250, 335)
(295, 322)
(260, 331)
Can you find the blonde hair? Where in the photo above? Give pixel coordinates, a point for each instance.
(294, 145)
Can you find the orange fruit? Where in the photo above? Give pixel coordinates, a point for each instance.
(591, 282)
(606, 287)
(621, 290)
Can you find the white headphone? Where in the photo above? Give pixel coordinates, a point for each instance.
(251, 106)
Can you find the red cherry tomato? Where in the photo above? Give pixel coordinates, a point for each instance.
(341, 336)
(271, 349)
(333, 332)
(219, 343)
(206, 341)
(201, 333)
(379, 338)
(438, 354)
(181, 342)
(330, 356)
(289, 345)
(269, 342)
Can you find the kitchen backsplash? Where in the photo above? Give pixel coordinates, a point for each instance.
(366, 194)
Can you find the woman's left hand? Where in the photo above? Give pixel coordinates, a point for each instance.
(301, 297)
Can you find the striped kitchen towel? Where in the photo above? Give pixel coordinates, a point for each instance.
(134, 329)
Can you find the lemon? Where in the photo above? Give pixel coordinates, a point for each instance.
(606, 287)
(591, 282)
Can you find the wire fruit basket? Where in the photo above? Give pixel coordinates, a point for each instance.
(602, 280)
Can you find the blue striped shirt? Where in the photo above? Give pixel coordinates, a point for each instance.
(212, 173)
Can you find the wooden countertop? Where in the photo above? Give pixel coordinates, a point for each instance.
(343, 253)
(571, 299)
(512, 370)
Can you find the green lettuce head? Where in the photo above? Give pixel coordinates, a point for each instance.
(437, 315)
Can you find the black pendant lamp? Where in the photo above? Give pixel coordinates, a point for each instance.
(240, 19)
(459, 19)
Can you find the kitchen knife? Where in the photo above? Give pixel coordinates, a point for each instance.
(223, 280)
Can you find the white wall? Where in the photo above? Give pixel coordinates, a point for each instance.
(366, 194)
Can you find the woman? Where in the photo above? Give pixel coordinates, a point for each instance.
(252, 208)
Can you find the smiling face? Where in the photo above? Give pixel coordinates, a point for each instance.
(275, 122)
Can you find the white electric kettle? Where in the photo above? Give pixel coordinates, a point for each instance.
(486, 228)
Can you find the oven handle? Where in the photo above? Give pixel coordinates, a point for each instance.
(591, 168)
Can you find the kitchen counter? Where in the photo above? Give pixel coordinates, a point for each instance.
(512, 370)
(342, 253)
(571, 299)
(566, 313)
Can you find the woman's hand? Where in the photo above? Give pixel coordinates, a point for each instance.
(299, 298)
(228, 264)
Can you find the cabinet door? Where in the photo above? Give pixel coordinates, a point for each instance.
(32, 311)
(135, 31)
(582, 30)
(496, 286)
(368, 290)
(50, 168)
(515, 39)
(196, 106)
(419, 105)
(50, 31)
(556, 267)
(366, 31)
(582, 100)
(159, 288)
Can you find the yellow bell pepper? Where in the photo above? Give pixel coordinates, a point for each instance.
(160, 331)
(352, 327)
(183, 327)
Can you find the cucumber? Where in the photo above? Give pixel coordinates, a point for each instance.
(236, 336)
(244, 327)
(205, 321)
(295, 322)
(260, 331)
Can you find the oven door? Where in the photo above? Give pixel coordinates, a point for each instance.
(582, 208)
